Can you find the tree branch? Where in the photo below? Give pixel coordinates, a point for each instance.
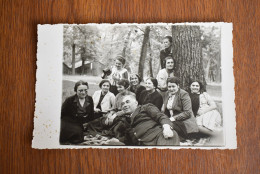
(140, 29)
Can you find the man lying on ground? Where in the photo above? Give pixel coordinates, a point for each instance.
(145, 125)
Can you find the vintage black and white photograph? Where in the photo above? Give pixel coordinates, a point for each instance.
(139, 85)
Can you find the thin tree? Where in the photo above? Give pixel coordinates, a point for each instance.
(143, 51)
(126, 43)
(83, 59)
(73, 58)
(73, 50)
(150, 60)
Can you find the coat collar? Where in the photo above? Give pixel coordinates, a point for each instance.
(76, 98)
(176, 98)
(134, 114)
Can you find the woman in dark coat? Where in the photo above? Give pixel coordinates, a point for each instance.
(135, 86)
(167, 51)
(76, 111)
(151, 95)
(177, 105)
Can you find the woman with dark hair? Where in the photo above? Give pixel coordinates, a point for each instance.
(135, 86)
(151, 95)
(118, 72)
(167, 51)
(177, 105)
(204, 108)
(104, 100)
(165, 73)
(76, 112)
(122, 86)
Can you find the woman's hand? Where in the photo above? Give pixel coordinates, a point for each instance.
(167, 131)
(97, 110)
(200, 112)
(115, 77)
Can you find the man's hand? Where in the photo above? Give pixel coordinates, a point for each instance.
(85, 125)
(172, 118)
(110, 119)
(167, 132)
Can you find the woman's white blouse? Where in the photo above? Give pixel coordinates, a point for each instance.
(162, 78)
(170, 103)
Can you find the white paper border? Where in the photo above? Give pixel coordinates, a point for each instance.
(49, 89)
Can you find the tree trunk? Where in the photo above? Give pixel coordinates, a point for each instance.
(83, 67)
(187, 52)
(83, 59)
(207, 70)
(143, 52)
(150, 60)
(73, 59)
(218, 67)
(126, 43)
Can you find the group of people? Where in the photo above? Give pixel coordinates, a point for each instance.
(157, 113)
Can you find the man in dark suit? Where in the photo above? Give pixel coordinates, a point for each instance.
(148, 126)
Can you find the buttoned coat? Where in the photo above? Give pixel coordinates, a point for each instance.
(146, 123)
(182, 110)
(69, 110)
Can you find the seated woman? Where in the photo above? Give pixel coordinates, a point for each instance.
(122, 86)
(164, 73)
(104, 100)
(105, 125)
(204, 108)
(102, 122)
(76, 111)
(177, 105)
(118, 72)
(135, 86)
(151, 95)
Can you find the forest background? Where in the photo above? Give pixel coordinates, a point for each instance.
(196, 50)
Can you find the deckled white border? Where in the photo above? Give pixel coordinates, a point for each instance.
(49, 89)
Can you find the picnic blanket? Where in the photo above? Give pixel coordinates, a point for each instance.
(100, 140)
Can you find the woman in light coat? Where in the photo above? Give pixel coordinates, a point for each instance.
(164, 74)
(204, 109)
(104, 100)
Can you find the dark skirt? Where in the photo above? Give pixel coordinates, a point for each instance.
(71, 133)
(180, 128)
